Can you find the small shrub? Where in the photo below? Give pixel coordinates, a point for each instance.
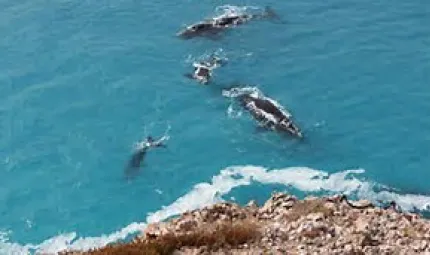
(213, 236)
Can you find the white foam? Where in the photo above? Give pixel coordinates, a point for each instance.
(232, 10)
(207, 193)
(235, 92)
(146, 144)
(254, 92)
(7, 247)
(201, 195)
(302, 178)
(218, 53)
(233, 113)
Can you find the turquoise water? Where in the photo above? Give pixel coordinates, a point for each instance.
(81, 82)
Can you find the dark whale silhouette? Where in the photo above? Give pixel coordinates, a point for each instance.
(136, 159)
(269, 113)
(211, 27)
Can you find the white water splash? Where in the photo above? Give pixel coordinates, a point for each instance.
(218, 53)
(302, 178)
(233, 113)
(238, 91)
(144, 144)
(233, 10)
(255, 93)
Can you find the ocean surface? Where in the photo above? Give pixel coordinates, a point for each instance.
(82, 81)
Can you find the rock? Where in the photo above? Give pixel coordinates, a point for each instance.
(411, 217)
(367, 240)
(330, 206)
(348, 248)
(336, 198)
(425, 244)
(362, 224)
(278, 217)
(154, 230)
(315, 216)
(252, 204)
(361, 204)
(187, 225)
(267, 207)
(287, 204)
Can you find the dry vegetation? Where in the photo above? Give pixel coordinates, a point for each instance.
(212, 236)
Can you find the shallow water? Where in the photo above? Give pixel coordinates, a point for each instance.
(82, 82)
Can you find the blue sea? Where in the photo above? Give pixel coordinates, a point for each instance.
(82, 81)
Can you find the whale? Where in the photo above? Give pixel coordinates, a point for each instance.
(203, 70)
(268, 113)
(212, 27)
(137, 158)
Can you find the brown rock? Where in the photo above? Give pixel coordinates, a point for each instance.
(252, 204)
(362, 224)
(361, 204)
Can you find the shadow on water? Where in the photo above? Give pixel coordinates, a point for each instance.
(133, 166)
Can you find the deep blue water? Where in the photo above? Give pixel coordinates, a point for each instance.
(82, 81)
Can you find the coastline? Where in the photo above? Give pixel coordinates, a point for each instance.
(284, 225)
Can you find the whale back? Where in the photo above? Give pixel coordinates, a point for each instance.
(264, 104)
(269, 113)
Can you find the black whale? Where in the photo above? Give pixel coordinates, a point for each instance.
(269, 113)
(211, 27)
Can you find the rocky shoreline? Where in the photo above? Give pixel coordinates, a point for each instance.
(285, 225)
